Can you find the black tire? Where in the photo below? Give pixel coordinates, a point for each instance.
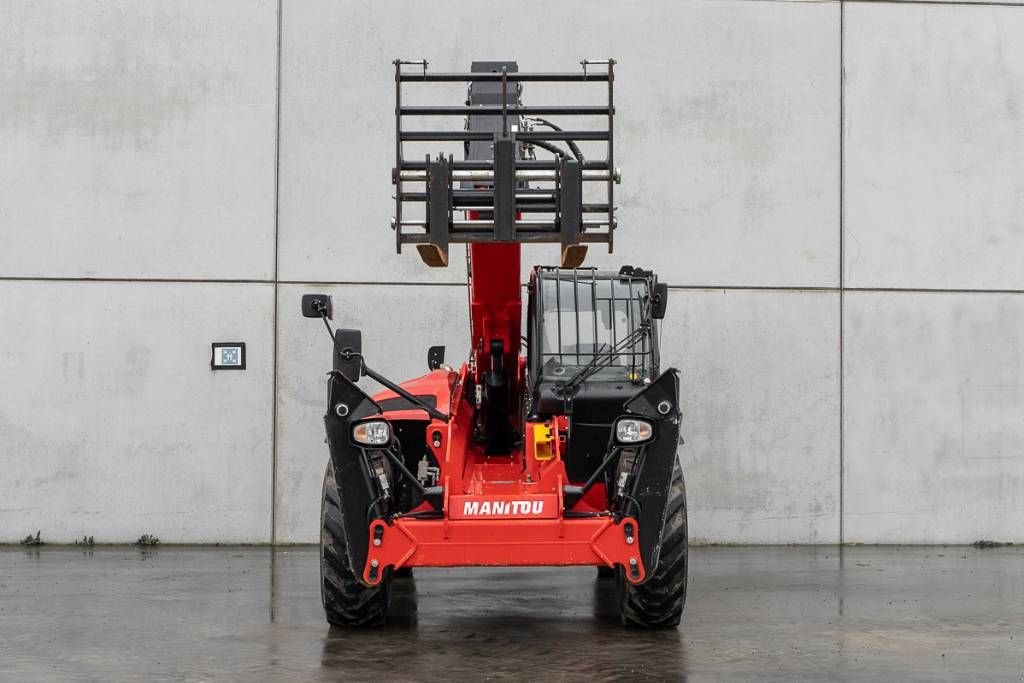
(347, 602)
(659, 601)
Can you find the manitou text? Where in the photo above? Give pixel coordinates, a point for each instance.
(478, 508)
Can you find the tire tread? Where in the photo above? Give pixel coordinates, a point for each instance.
(347, 602)
(659, 601)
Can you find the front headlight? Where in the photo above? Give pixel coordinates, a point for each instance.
(372, 433)
(629, 430)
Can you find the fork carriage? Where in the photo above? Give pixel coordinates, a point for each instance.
(511, 196)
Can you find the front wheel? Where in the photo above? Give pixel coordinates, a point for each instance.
(347, 602)
(659, 601)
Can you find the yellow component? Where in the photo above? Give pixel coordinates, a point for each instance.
(543, 446)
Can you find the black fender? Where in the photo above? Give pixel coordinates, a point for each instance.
(658, 402)
(346, 404)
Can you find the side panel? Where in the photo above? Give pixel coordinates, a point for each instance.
(350, 469)
(659, 402)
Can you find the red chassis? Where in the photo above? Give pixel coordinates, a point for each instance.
(484, 493)
(499, 510)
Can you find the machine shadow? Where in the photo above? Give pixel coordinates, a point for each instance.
(461, 642)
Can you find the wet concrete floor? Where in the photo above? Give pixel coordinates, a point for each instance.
(121, 613)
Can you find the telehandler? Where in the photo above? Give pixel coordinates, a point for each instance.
(556, 447)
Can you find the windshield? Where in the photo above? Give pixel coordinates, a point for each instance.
(583, 316)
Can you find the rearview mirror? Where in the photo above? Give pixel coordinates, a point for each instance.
(435, 357)
(314, 304)
(348, 347)
(659, 301)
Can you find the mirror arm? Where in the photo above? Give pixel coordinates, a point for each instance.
(323, 316)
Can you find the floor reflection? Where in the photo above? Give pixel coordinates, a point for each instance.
(467, 635)
(117, 613)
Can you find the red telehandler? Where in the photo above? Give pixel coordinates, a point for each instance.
(555, 447)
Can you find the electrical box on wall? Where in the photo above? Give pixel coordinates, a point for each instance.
(228, 356)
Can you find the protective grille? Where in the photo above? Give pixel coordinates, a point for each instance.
(587, 317)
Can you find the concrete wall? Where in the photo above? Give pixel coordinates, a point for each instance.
(832, 189)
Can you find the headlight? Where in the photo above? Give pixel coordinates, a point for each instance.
(629, 430)
(372, 433)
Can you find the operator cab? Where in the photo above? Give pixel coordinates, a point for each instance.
(592, 344)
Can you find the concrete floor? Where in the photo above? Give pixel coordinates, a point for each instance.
(769, 612)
